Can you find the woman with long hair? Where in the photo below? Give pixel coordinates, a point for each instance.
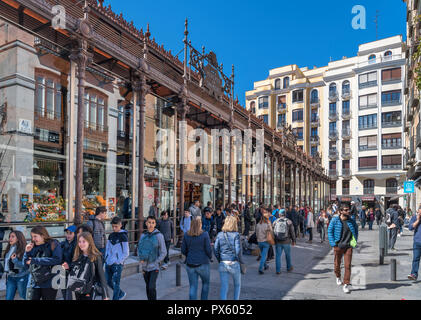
(40, 256)
(197, 249)
(16, 273)
(227, 250)
(89, 259)
(262, 229)
(310, 224)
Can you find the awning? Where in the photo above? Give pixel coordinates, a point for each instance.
(367, 198)
(346, 199)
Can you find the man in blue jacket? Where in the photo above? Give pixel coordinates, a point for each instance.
(414, 225)
(343, 234)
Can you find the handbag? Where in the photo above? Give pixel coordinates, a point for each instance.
(243, 267)
(269, 237)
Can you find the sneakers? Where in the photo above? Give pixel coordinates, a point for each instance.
(123, 296)
(346, 288)
(290, 269)
(261, 272)
(399, 235)
(266, 267)
(164, 266)
(278, 272)
(338, 281)
(412, 277)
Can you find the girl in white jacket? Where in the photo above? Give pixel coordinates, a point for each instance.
(310, 225)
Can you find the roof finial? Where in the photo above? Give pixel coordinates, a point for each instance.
(186, 31)
(147, 33)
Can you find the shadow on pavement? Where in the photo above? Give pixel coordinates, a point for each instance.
(389, 286)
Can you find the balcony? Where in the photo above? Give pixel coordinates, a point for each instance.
(390, 124)
(368, 106)
(346, 133)
(333, 173)
(393, 190)
(314, 140)
(281, 124)
(314, 102)
(333, 135)
(333, 96)
(391, 145)
(346, 94)
(392, 167)
(45, 114)
(346, 153)
(333, 191)
(282, 107)
(368, 127)
(314, 121)
(388, 103)
(368, 190)
(95, 126)
(368, 84)
(367, 148)
(381, 59)
(409, 112)
(346, 173)
(333, 116)
(333, 154)
(370, 168)
(346, 114)
(345, 191)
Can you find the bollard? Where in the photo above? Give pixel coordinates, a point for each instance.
(393, 269)
(382, 242)
(178, 275)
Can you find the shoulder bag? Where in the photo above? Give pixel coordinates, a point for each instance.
(243, 267)
(269, 236)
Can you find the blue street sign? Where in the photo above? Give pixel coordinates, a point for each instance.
(408, 187)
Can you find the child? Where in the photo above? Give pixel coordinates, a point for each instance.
(117, 250)
(68, 247)
(166, 227)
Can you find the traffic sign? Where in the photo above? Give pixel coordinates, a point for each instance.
(408, 187)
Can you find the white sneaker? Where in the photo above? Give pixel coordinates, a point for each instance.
(338, 281)
(399, 235)
(346, 288)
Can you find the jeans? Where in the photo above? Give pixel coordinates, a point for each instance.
(279, 249)
(362, 223)
(194, 273)
(310, 231)
(14, 284)
(225, 271)
(1, 244)
(44, 293)
(113, 276)
(167, 245)
(322, 233)
(150, 280)
(264, 248)
(392, 237)
(370, 225)
(416, 259)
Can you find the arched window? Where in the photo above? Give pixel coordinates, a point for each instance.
(277, 84)
(345, 86)
(388, 55)
(372, 59)
(286, 82)
(314, 96)
(332, 90)
(391, 186)
(368, 186)
(253, 107)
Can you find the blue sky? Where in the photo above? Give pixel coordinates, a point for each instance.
(257, 36)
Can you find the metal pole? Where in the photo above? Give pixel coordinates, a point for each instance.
(134, 151)
(392, 269)
(71, 144)
(175, 175)
(178, 275)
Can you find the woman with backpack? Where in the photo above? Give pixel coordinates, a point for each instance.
(16, 273)
(263, 229)
(86, 274)
(151, 251)
(228, 252)
(40, 256)
(197, 249)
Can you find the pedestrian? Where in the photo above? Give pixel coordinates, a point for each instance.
(354, 210)
(310, 225)
(98, 228)
(185, 222)
(86, 274)
(2, 232)
(258, 213)
(208, 223)
(370, 218)
(195, 209)
(247, 219)
(322, 223)
(151, 251)
(166, 227)
(293, 216)
(393, 222)
(284, 234)
(117, 251)
(414, 225)
(363, 217)
(401, 217)
(343, 236)
(41, 254)
(228, 252)
(208, 207)
(263, 232)
(68, 247)
(301, 221)
(197, 249)
(378, 215)
(153, 210)
(16, 274)
(219, 220)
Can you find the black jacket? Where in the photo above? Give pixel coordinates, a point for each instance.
(166, 228)
(246, 214)
(219, 222)
(68, 249)
(293, 216)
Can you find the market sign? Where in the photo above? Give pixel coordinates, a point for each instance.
(409, 187)
(368, 198)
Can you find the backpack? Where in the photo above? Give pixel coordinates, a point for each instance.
(81, 276)
(147, 248)
(280, 229)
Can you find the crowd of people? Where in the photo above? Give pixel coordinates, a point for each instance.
(91, 264)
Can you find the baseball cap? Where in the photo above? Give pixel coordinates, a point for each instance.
(71, 228)
(282, 212)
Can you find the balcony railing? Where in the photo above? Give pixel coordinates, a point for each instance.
(333, 95)
(409, 112)
(368, 127)
(346, 133)
(391, 166)
(281, 124)
(346, 113)
(95, 126)
(368, 190)
(390, 124)
(346, 172)
(374, 168)
(368, 106)
(44, 113)
(345, 191)
(391, 189)
(314, 121)
(368, 84)
(333, 191)
(391, 103)
(381, 59)
(314, 139)
(346, 93)
(367, 148)
(333, 116)
(346, 152)
(282, 106)
(333, 173)
(333, 135)
(314, 101)
(392, 145)
(333, 154)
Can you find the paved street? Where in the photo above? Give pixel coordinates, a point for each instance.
(312, 277)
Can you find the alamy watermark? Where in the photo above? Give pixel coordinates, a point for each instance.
(359, 20)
